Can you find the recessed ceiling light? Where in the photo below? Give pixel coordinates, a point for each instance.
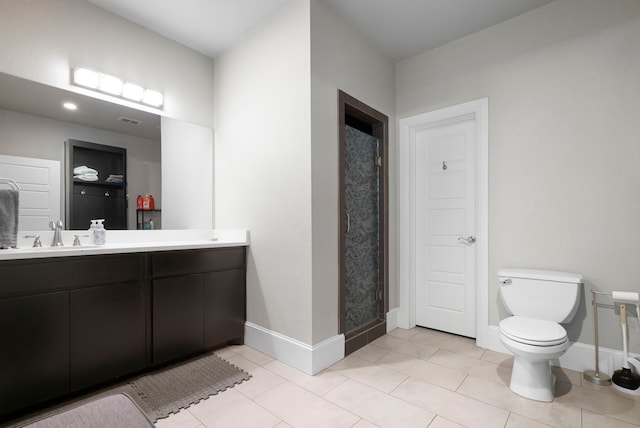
(70, 106)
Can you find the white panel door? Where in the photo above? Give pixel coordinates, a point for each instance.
(445, 227)
(39, 181)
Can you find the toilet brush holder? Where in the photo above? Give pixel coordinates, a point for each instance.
(594, 376)
(625, 379)
(636, 364)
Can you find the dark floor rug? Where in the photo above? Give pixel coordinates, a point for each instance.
(177, 387)
(162, 392)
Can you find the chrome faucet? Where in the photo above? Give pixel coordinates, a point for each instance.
(57, 238)
(36, 242)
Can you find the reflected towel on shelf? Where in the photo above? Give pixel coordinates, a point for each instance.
(9, 203)
(115, 178)
(84, 170)
(86, 177)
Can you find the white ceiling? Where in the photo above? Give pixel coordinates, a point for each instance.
(398, 28)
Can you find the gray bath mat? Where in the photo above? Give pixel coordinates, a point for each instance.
(177, 387)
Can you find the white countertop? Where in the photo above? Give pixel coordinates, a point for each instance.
(124, 241)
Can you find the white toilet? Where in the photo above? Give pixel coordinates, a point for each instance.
(538, 300)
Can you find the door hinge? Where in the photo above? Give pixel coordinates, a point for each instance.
(378, 160)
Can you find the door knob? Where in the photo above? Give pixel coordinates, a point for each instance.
(468, 239)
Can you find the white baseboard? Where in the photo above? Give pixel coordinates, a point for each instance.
(579, 356)
(313, 359)
(392, 319)
(306, 358)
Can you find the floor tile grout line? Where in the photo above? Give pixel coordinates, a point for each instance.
(388, 394)
(264, 408)
(454, 392)
(196, 418)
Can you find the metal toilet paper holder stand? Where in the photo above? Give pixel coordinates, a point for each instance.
(594, 376)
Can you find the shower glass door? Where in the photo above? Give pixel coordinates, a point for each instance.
(363, 282)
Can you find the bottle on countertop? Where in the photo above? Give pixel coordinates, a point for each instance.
(151, 225)
(139, 203)
(97, 232)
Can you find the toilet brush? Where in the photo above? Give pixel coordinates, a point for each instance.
(625, 377)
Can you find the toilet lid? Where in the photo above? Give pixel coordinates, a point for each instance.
(532, 331)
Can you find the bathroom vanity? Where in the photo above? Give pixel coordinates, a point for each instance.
(74, 318)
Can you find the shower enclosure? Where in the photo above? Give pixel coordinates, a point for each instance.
(364, 230)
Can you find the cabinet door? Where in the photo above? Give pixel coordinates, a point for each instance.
(224, 307)
(177, 317)
(107, 333)
(34, 333)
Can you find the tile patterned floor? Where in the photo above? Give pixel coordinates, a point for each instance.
(407, 378)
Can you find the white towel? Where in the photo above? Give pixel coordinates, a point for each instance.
(9, 201)
(86, 177)
(84, 170)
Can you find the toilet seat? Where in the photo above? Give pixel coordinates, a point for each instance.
(532, 331)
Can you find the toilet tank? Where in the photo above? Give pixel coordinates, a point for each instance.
(540, 294)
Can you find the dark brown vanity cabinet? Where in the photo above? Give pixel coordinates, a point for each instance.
(198, 301)
(71, 323)
(99, 199)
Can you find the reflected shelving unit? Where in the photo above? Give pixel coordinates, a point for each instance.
(100, 199)
(144, 216)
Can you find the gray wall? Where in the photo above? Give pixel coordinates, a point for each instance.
(564, 182)
(263, 166)
(277, 158)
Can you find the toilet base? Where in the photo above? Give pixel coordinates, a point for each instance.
(533, 379)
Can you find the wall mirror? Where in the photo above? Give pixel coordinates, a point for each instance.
(34, 126)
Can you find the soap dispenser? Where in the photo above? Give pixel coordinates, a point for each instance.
(97, 232)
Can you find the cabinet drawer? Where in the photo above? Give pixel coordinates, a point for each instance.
(183, 262)
(21, 277)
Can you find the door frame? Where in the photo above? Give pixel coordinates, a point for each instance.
(350, 106)
(478, 111)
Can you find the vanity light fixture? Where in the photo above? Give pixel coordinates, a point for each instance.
(133, 92)
(114, 86)
(86, 78)
(110, 84)
(153, 98)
